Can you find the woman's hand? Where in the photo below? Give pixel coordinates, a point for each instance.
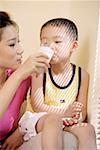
(35, 64)
(13, 141)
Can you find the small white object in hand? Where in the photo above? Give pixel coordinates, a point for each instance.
(47, 51)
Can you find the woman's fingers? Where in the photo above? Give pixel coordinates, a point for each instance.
(34, 64)
(42, 61)
(40, 54)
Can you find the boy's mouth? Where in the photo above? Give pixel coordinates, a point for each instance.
(54, 60)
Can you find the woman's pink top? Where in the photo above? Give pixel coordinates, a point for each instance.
(11, 116)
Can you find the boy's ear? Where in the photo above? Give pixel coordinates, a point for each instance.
(74, 46)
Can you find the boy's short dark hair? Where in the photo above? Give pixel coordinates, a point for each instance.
(70, 26)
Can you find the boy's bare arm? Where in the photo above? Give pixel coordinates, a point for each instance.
(83, 92)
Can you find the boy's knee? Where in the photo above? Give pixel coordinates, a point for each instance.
(53, 119)
(89, 129)
(86, 130)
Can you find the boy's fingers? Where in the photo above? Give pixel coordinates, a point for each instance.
(69, 121)
(77, 104)
(66, 121)
(80, 125)
(77, 116)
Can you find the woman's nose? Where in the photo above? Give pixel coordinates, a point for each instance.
(20, 50)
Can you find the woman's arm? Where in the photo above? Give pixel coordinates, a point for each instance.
(34, 64)
(8, 90)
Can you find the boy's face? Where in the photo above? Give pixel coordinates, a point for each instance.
(59, 40)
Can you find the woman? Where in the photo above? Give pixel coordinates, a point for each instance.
(14, 78)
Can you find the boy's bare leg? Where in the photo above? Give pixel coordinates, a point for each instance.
(51, 127)
(85, 134)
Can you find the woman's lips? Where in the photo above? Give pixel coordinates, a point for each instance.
(19, 60)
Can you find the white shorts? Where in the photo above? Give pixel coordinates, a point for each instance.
(27, 124)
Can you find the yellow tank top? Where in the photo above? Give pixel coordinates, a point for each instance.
(61, 96)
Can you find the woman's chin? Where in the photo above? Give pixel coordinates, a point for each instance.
(15, 67)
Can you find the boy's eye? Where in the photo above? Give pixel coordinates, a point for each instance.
(58, 41)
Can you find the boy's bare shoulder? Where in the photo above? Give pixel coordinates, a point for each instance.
(84, 74)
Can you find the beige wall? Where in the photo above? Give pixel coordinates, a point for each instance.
(30, 15)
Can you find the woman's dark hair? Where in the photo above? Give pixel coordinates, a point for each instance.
(63, 22)
(5, 21)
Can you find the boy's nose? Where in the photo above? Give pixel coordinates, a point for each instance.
(52, 46)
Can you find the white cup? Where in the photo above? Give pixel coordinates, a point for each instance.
(47, 51)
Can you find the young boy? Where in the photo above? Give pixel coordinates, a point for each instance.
(59, 97)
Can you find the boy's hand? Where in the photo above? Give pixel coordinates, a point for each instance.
(69, 121)
(74, 110)
(13, 141)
